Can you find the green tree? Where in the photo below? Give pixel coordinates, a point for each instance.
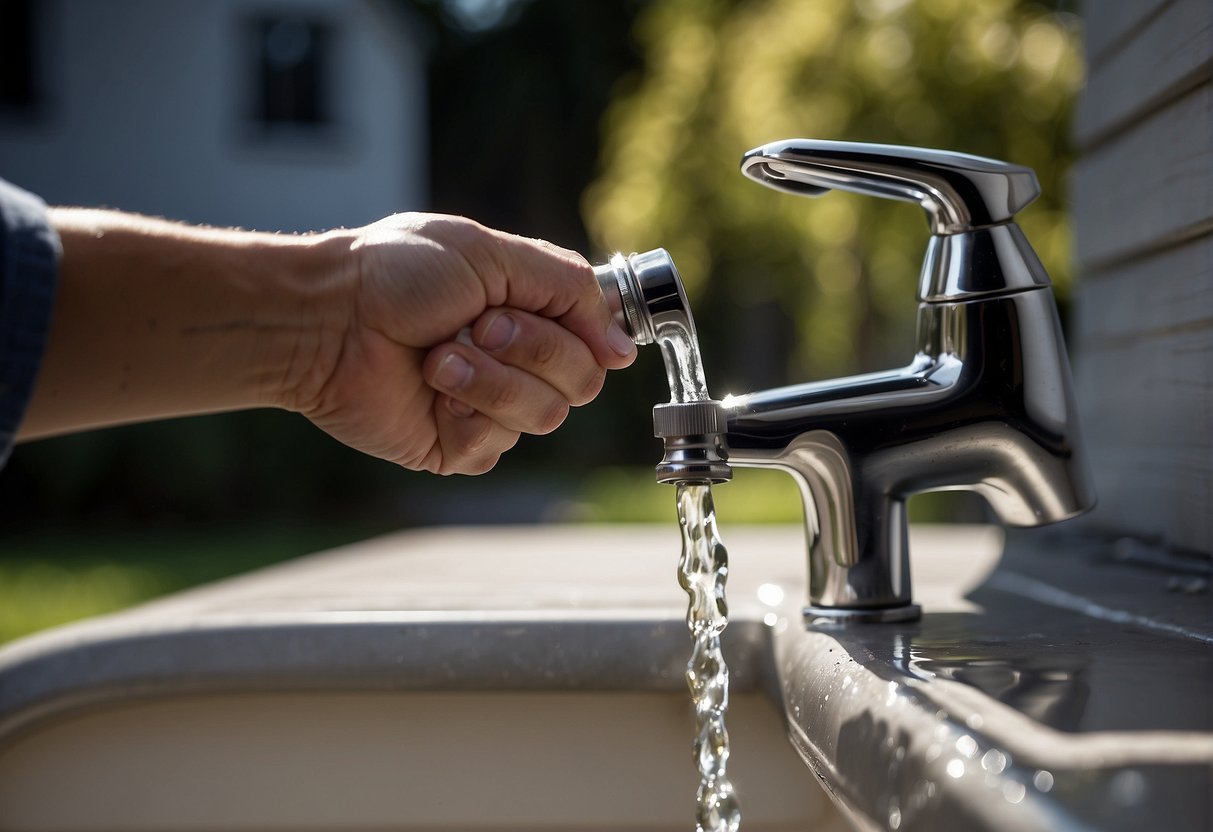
(785, 288)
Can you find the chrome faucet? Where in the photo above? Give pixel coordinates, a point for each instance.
(984, 405)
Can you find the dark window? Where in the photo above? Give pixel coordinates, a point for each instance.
(292, 71)
(18, 87)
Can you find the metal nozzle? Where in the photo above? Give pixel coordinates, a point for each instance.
(693, 433)
(644, 293)
(646, 298)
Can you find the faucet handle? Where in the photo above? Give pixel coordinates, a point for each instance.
(959, 192)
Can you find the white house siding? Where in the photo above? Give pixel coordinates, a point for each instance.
(1143, 202)
(146, 108)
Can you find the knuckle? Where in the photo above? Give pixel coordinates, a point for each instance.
(504, 398)
(428, 460)
(545, 351)
(455, 225)
(488, 459)
(482, 465)
(552, 418)
(591, 386)
(472, 442)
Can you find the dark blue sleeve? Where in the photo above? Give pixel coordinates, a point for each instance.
(29, 260)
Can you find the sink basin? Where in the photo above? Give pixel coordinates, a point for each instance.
(512, 678)
(414, 760)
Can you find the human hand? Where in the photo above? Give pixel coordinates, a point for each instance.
(448, 339)
(427, 340)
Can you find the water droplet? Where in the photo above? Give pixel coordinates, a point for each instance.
(717, 808)
(956, 768)
(1013, 791)
(770, 619)
(967, 746)
(994, 761)
(1043, 780)
(974, 721)
(894, 818)
(770, 594)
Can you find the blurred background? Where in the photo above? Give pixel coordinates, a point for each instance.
(604, 126)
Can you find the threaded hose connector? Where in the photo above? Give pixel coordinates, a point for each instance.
(693, 433)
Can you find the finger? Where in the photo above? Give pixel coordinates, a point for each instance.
(507, 395)
(543, 348)
(468, 442)
(556, 283)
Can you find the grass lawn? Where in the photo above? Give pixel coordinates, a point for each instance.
(54, 577)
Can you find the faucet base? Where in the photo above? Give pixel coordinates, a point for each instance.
(876, 615)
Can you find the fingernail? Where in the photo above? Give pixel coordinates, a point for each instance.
(458, 408)
(500, 333)
(454, 372)
(619, 340)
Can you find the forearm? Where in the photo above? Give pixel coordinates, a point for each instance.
(155, 319)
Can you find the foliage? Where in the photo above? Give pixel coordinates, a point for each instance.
(784, 288)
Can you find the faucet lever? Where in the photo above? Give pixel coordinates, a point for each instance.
(959, 192)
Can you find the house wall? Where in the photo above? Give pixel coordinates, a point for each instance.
(147, 108)
(1143, 206)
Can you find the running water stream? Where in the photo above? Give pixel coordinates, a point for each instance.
(702, 571)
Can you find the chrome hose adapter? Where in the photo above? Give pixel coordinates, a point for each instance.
(693, 433)
(645, 295)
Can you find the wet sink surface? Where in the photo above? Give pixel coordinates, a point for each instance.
(1072, 673)
(1040, 706)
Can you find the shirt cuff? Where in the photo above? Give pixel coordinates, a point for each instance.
(29, 261)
